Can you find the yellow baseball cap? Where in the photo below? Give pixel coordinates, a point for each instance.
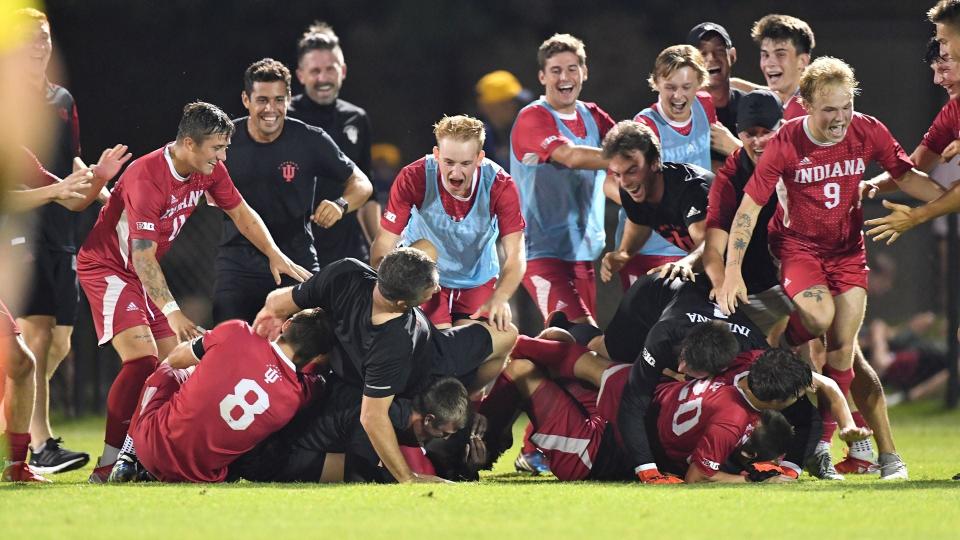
(386, 152)
(498, 86)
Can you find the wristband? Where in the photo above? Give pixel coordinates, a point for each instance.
(169, 308)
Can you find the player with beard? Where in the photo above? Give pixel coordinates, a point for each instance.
(119, 267)
(463, 203)
(321, 69)
(816, 232)
(275, 163)
(556, 161)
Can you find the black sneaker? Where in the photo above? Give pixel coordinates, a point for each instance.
(126, 469)
(57, 459)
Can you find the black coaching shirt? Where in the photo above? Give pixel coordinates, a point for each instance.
(728, 117)
(393, 358)
(278, 180)
(684, 202)
(349, 126)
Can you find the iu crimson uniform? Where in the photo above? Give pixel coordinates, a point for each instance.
(244, 389)
(563, 208)
(945, 128)
(149, 202)
(464, 231)
(793, 108)
(816, 231)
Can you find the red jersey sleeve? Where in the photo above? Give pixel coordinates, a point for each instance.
(224, 333)
(144, 203)
(887, 151)
(505, 204)
(944, 129)
(35, 175)
(75, 131)
(223, 192)
(707, 101)
(407, 191)
(645, 120)
(604, 121)
(772, 163)
(715, 446)
(722, 200)
(535, 132)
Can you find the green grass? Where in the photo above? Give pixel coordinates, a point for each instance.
(505, 505)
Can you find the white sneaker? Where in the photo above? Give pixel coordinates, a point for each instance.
(892, 467)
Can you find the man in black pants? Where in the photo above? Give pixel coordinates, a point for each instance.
(276, 164)
(321, 70)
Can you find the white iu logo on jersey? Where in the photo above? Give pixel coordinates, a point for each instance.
(352, 133)
(272, 375)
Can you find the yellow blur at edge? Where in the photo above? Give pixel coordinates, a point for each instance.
(10, 32)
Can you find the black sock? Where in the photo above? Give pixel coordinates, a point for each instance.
(583, 332)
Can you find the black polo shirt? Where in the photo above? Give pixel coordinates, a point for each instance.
(684, 202)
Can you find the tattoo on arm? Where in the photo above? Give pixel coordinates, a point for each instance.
(816, 293)
(148, 270)
(742, 229)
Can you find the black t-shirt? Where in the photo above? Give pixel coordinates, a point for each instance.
(278, 181)
(759, 272)
(350, 128)
(728, 117)
(394, 358)
(684, 202)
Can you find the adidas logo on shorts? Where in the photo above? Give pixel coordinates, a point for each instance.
(132, 307)
(693, 212)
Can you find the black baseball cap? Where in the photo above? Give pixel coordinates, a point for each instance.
(759, 108)
(698, 32)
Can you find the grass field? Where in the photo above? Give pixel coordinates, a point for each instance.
(506, 505)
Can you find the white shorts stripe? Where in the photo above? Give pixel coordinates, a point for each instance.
(606, 375)
(542, 287)
(567, 445)
(115, 286)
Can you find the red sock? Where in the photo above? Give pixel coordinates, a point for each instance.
(557, 356)
(796, 333)
(123, 397)
(843, 378)
(858, 419)
(528, 446)
(19, 442)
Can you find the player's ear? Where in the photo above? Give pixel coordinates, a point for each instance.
(732, 54)
(436, 153)
(245, 99)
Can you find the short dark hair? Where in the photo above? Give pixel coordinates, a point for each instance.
(446, 399)
(779, 375)
(778, 27)
(771, 438)
(319, 37)
(405, 273)
(628, 137)
(310, 334)
(945, 12)
(932, 53)
(266, 70)
(709, 347)
(201, 120)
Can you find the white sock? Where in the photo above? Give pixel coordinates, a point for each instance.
(823, 445)
(109, 456)
(862, 450)
(128, 446)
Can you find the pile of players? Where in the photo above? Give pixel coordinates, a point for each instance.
(734, 300)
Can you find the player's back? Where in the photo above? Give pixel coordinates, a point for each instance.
(243, 390)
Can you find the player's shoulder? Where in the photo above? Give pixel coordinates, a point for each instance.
(345, 107)
(705, 98)
(534, 112)
(149, 166)
(235, 331)
(866, 123)
(689, 174)
(413, 170)
(594, 108)
(59, 95)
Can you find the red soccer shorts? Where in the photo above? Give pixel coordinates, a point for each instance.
(639, 265)
(147, 427)
(118, 302)
(450, 304)
(564, 431)
(568, 286)
(802, 267)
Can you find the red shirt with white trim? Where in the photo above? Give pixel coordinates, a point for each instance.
(535, 130)
(409, 189)
(793, 108)
(705, 100)
(945, 128)
(151, 202)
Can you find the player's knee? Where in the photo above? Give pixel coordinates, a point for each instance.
(59, 347)
(556, 334)
(519, 368)
(22, 363)
(503, 340)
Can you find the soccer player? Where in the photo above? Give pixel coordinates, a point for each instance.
(243, 389)
(758, 119)
(945, 15)
(463, 203)
(321, 69)
(118, 264)
(275, 163)
(816, 232)
(386, 346)
(656, 195)
(556, 161)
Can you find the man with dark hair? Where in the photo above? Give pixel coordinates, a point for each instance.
(386, 345)
(321, 69)
(243, 389)
(118, 264)
(945, 15)
(276, 163)
(669, 198)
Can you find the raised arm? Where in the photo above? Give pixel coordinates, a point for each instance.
(252, 227)
(356, 190)
(579, 157)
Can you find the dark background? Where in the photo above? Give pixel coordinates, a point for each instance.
(133, 65)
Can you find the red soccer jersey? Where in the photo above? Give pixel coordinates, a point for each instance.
(705, 100)
(535, 131)
(409, 188)
(702, 422)
(945, 127)
(151, 202)
(819, 194)
(243, 390)
(793, 108)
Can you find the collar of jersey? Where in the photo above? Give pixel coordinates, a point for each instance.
(283, 356)
(473, 186)
(173, 170)
(742, 393)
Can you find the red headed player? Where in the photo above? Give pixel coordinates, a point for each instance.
(816, 232)
(118, 264)
(190, 427)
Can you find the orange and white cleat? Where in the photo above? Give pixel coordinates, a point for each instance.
(852, 465)
(19, 471)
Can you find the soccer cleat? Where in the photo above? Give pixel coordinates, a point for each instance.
(57, 459)
(956, 476)
(653, 476)
(100, 474)
(126, 469)
(534, 463)
(19, 471)
(852, 465)
(892, 467)
(820, 465)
